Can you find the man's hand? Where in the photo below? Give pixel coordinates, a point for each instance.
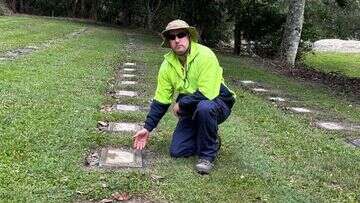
(141, 138)
(176, 109)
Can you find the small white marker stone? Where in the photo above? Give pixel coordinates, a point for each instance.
(300, 110)
(121, 107)
(129, 64)
(129, 69)
(128, 75)
(247, 82)
(260, 90)
(279, 99)
(124, 127)
(32, 47)
(128, 82)
(330, 125)
(355, 142)
(126, 93)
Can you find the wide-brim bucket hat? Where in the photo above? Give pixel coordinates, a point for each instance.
(179, 24)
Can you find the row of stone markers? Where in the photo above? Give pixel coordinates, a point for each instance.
(119, 158)
(15, 53)
(285, 103)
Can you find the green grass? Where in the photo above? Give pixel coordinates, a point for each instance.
(24, 31)
(50, 103)
(347, 64)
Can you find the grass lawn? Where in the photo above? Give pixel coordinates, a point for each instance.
(50, 103)
(347, 64)
(24, 31)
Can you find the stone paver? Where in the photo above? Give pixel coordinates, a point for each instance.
(123, 127)
(129, 64)
(247, 82)
(260, 90)
(354, 142)
(120, 158)
(122, 93)
(123, 107)
(277, 99)
(128, 82)
(330, 125)
(129, 69)
(128, 75)
(300, 110)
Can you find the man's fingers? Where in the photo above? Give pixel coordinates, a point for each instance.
(140, 140)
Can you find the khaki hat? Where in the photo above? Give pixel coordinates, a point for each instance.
(179, 24)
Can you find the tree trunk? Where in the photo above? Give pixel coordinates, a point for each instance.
(150, 20)
(73, 14)
(237, 37)
(13, 5)
(93, 10)
(4, 8)
(82, 9)
(152, 6)
(292, 32)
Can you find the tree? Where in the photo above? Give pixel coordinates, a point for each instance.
(292, 31)
(258, 23)
(94, 9)
(12, 4)
(75, 2)
(151, 6)
(4, 9)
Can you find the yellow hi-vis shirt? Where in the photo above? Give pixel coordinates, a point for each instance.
(203, 73)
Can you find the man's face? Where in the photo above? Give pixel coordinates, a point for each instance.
(179, 41)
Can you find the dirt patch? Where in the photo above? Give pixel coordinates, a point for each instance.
(13, 54)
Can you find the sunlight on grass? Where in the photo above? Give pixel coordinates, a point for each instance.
(24, 31)
(50, 103)
(347, 64)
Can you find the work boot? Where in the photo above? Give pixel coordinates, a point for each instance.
(204, 166)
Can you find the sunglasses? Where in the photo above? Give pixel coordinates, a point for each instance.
(178, 35)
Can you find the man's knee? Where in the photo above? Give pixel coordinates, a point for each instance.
(205, 108)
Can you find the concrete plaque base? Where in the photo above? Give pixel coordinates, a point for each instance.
(122, 107)
(354, 142)
(120, 158)
(331, 125)
(260, 90)
(128, 75)
(128, 82)
(277, 99)
(129, 69)
(129, 64)
(123, 127)
(300, 110)
(247, 82)
(122, 93)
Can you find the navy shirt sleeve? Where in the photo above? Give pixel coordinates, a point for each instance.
(157, 111)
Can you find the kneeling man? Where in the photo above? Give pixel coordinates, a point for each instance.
(204, 101)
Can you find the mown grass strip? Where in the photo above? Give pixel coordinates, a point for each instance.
(347, 64)
(49, 101)
(50, 105)
(23, 31)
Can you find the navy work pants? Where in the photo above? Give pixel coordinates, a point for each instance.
(196, 133)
